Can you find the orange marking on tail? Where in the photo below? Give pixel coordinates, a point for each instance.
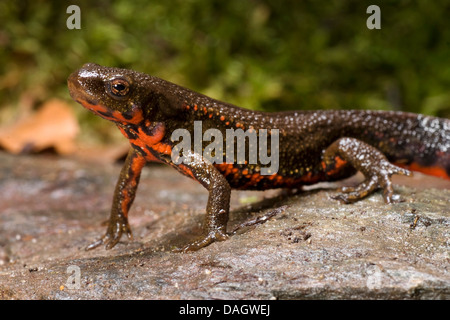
(431, 170)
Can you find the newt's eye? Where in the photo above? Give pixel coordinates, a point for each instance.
(119, 88)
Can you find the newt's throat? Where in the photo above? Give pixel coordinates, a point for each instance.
(134, 117)
(149, 140)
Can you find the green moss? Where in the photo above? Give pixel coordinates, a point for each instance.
(269, 55)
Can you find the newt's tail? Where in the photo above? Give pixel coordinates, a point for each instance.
(417, 142)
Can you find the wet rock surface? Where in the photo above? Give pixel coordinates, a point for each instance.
(52, 208)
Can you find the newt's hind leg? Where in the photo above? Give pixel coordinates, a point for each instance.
(375, 167)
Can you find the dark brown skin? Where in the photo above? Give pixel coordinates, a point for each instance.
(314, 146)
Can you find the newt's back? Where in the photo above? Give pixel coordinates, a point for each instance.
(417, 142)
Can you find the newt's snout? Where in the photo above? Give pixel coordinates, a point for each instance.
(82, 81)
(73, 85)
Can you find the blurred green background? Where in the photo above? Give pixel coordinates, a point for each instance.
(259, 54)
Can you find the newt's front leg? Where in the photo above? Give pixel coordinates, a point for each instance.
(123, 198)
(217, 209)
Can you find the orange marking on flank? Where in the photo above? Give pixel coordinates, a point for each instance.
(253, 180)
(150, 140)
(338, 166)
(225, 168)
(162, 148)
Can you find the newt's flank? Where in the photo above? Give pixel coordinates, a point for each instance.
(313, 146)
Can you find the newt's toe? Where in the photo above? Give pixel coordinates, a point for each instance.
(213, 236)
(113, 235)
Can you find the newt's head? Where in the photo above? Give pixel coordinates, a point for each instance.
(119, 95)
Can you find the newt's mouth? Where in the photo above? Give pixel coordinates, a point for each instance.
(98, 109)
(112, 115)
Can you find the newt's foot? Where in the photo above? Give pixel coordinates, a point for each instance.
(113, 234)
(379, 179)
(213, 236)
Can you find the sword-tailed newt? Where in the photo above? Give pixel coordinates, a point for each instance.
(313, 146)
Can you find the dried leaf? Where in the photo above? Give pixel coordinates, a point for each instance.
(54, 125)
(104, 153)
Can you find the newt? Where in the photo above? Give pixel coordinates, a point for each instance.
(313, 146)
